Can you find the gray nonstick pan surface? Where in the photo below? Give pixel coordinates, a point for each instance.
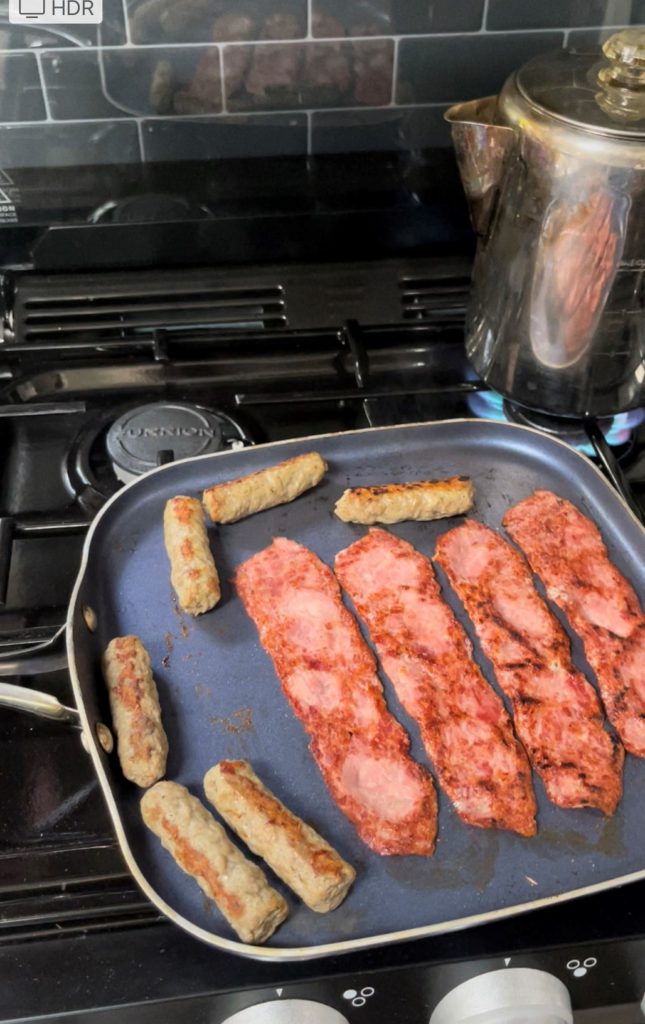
(221, 698)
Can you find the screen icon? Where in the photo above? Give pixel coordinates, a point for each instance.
(31, 8)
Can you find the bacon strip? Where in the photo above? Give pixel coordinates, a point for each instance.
(557, 713)
(328, 674)
(427, 655)
(565, 549)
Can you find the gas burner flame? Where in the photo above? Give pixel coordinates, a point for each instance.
(623, 425)
(489, 405)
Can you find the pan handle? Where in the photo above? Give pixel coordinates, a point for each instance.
(21, 698)
(35, 658)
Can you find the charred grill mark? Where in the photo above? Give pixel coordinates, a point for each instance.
(534, 657)
(619, 701)
(526, 700)
(580, 584)
(487, 786)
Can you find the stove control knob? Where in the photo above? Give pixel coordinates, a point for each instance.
(288, 1011)
(511, 996)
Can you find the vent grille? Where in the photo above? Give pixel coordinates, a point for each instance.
(426, 299)
(100, 310)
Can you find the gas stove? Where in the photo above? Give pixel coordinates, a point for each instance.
(104, 376)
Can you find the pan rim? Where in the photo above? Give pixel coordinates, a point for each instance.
(293, 954)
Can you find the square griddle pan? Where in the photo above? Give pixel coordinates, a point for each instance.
(221, 699)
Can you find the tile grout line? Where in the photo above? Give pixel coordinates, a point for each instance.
(471, 34)
(283, 112)
(310, 19)
(43, 87)
(214, 118)
(222, 81)
(309, 132)
(483, 27)
(142, 147)
(496, 33)
(395, 73)
(126, 22)
(113, 47)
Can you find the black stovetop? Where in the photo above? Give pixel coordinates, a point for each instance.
(67, 902)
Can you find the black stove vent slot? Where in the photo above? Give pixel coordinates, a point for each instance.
(431, 299)
(130, 308)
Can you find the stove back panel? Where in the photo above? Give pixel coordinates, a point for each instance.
(43, 310)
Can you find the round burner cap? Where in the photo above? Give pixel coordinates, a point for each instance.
(150, 435)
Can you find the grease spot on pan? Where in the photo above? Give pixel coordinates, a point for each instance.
(476, 867)
(239, 721)
(347, 923)
(169, 643)
(608, 840)
(183, 628)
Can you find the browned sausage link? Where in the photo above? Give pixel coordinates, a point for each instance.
(136, 714)
(192, 567)
(292, 849)
(394, 503)
(226, 503)
(202, 849)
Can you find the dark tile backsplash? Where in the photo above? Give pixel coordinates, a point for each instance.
(512, 14)
(133, 82)
(234, 137)
(281, 76)
(176, 80)
(371, 131)
(333, 18)
(69, 145)
(403, 129)
(73, 82)
(21, 97)
(211, 21)
(584, 38)
(457, 68)
(418, 16)
(166, 80)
